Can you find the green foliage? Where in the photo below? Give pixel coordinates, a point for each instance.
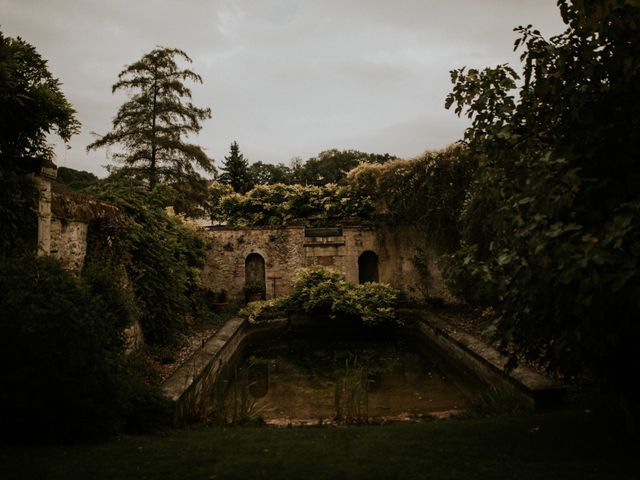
(161, 256)
(32, 106)
(69, 179)
(551, 226)
(317, 290)
(235, 170)
(328, 167)
(428, 191)
(254, 310)
(61, 340)
(373, 303)
(280, 204)
(261, 173)
(18, 212)
(151, 125)
(332, 166)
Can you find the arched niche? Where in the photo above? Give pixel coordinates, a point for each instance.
(368, 267)
(254, 272)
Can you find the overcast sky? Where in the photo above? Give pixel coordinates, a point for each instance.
(284, 78)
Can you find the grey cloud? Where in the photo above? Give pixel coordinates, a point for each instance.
(284, 77)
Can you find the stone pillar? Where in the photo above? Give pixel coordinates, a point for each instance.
(47, 174)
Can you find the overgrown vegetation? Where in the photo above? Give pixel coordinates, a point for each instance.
(61, 343)
(31, 107)
(428, 191)
(280, 204)
(317, 290)
(551, 226)
(160, 254)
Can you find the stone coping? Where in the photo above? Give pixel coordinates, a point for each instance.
(230, 336)
(536, 390)
(533, 389)
(190, 371)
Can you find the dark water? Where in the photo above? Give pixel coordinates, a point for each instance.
(315, 378)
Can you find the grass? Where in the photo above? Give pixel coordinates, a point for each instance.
(560, 445)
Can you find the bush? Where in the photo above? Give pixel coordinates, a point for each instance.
(279, 204)
(317, 290)
(60, 344)
(160, 254)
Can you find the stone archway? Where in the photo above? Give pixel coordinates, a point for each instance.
(254, 272)
(368, 267)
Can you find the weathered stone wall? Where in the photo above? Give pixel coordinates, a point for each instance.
(285, 249)
(69, 242)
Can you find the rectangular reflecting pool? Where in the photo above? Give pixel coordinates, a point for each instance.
(342, 377)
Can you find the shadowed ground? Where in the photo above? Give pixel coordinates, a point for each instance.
(559, 445)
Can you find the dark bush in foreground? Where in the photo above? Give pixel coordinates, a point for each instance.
(63, 375)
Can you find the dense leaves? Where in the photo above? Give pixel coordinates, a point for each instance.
(69, 179)
(31, 107)
(552, 223)
(428, 191)
(317, 290)
(31, 104)
(61, 340)
(160, 253)
(280, 204)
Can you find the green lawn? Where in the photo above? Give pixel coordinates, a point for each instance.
(562, 445)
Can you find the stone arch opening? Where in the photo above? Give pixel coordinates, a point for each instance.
(368, 267)
(254, 274)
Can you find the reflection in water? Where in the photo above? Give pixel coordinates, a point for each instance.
(353, 381)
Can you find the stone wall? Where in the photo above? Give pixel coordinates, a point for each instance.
(69, 242)
(285, 249)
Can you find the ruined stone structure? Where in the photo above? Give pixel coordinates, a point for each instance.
(63, 225)
(271, 255)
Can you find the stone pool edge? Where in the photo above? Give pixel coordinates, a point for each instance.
(185, 385)
(532, 389)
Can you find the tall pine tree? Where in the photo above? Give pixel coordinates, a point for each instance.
(150, 127)
(235, 170)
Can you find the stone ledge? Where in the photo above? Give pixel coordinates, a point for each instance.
(533, 389)
(190, 371)
(186, 386)
(323, 244)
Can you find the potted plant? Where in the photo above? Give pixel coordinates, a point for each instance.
(254, 291)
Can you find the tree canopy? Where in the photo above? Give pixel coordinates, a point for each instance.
(31, 104)
(551, 225)
(235, 170)
(151, 126)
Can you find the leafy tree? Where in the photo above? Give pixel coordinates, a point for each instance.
(151, 126)
(70, 179)
(551, 228)
(269, 174)
(235, 170)
(332, 166)
(31, 107)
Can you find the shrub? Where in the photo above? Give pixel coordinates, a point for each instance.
(317, 290)
(161, 255)
(61, 343)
